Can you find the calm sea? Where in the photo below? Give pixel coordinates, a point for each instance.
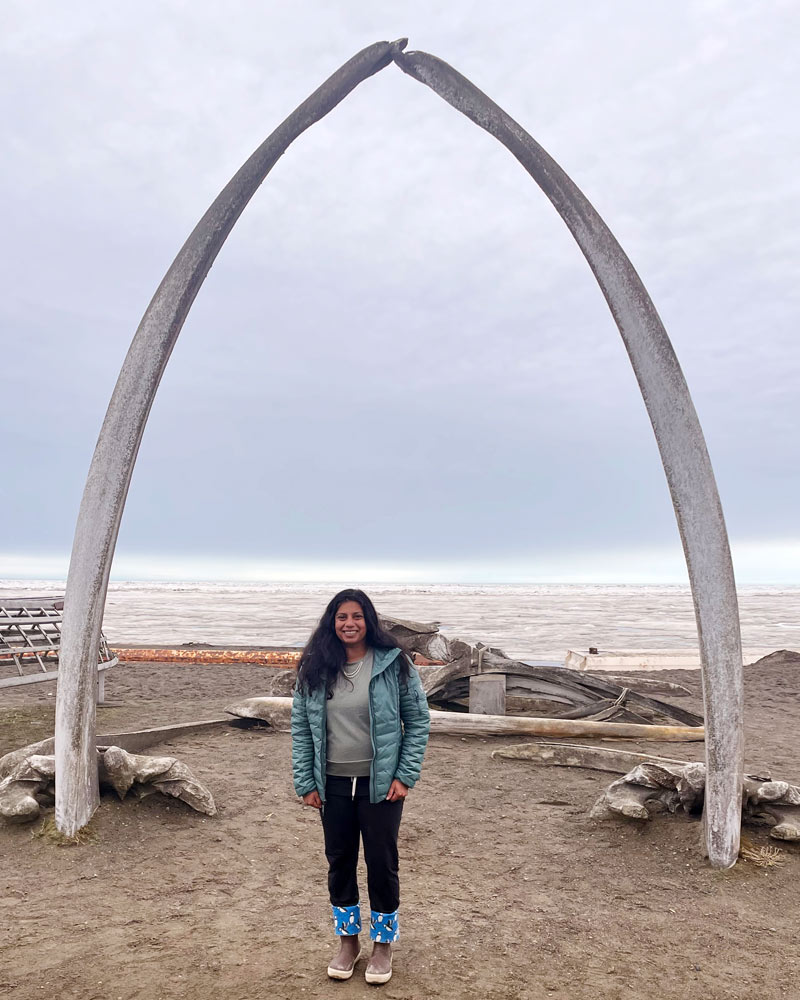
(526, 621)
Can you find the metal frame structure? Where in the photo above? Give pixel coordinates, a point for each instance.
(678, 435)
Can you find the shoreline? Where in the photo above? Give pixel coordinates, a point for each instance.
(617, 660)
(526, 622)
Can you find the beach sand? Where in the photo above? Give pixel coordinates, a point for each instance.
(508, 888)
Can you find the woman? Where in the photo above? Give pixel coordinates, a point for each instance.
(360, 725)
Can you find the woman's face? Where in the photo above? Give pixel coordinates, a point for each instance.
(349, 623)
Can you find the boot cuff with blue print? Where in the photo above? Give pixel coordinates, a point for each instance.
(384, 927)
(347, 920)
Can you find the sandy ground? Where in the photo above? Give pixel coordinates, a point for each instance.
(508, 888)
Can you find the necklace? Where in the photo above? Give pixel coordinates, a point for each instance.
(356, 669)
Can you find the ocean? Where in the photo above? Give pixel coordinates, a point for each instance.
(526, 621)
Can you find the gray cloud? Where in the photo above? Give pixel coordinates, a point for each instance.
(400, 351)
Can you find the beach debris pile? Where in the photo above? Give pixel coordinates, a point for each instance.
(532, 688)
(27, 780)
(655, 787)
(552, 700)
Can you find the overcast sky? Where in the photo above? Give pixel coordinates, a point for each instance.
(400, 365)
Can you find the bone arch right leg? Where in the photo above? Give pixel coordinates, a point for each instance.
(677, 429)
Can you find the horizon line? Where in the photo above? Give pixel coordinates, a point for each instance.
(775, 562)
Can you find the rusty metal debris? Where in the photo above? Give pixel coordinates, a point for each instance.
(154, 654)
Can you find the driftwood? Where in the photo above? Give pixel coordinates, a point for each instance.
(573, 755)
(546, 686)
(458, 724)
(29, 779)
(276, 711)
(657, 787)
(655, 685)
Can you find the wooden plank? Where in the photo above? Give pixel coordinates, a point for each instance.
(49, 675)
(10, 682)
(7, 651)
(49, 603)
(487, 694)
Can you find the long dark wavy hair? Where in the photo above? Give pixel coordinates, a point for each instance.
(325, 654)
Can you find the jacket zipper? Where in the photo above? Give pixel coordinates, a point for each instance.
(372, 740)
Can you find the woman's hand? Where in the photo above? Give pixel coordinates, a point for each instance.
(312, 799)
(397, 790)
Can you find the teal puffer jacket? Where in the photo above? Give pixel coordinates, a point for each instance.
(399, 721)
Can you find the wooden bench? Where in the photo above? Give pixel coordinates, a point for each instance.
(30, 638)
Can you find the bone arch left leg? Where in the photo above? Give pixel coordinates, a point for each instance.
(677, 429)
(114, 457)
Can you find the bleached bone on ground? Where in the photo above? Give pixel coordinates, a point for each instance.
(11, 760)
(655, 787)
(134, 741)
(25, 786)
(575, 755)
(277, 712)
(28, 780)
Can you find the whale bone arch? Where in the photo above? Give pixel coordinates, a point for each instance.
(677, 429)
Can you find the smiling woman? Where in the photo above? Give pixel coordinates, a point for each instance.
(351, 629)
(360, 725)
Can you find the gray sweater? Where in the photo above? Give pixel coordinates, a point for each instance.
(349, 737)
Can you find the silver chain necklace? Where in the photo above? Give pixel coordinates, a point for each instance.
(352, 674)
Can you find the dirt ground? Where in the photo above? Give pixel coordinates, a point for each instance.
(508, 889)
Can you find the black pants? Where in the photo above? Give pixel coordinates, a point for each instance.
(344, 820)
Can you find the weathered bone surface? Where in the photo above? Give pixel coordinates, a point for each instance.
(10, 761)
(678, 434)
(666, 396)
(123, 771)
(653, 787)
(575, 755)
(28, 780)
(277, 712)
(118, 444)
